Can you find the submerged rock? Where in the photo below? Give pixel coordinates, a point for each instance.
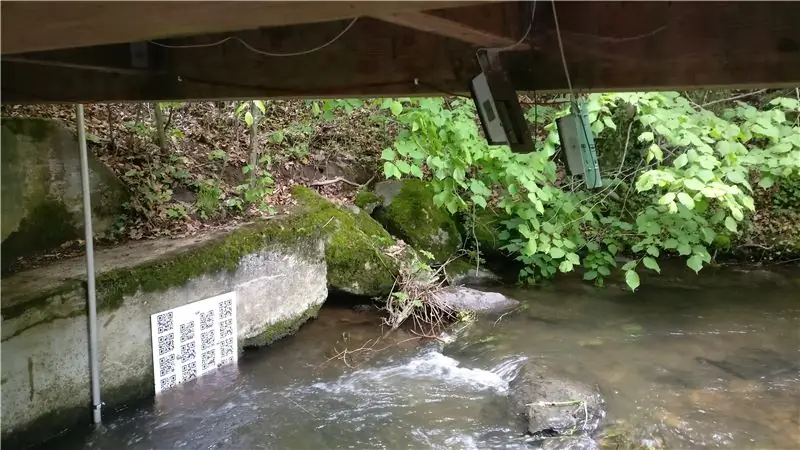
(554, 406)
(407, 211)
(472, 300)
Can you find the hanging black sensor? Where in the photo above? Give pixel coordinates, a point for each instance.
(498, 107)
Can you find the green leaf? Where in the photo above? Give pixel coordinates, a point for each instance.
(705, 175)
(590, 275)
(396, 108)
(651, 264)
(260, 105)
(479, 200)
(680, 161)
(670, 243)
(647, 136)
(416, 171)
(693, 184)
(402, 166)
(708, 235)
(684, 249)
(667, 198)
(686, 200)
(390, 170)
(653, 251)
(632, 279)
(612, 249)
(730, 224)
(604, 271)
(557, 253)
(609, 123)
(736, 177)
(654, 151)
(766, 182)
(248, 119)
(388, 154)
(565, 266)
(695, 262)
(748, 203)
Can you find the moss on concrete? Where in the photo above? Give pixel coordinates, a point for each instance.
(294, 233)
(354, 254)
(46, 226)
(413, 217)
(38, 129)
(282, 328)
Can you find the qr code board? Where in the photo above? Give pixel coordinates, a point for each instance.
(192, 340)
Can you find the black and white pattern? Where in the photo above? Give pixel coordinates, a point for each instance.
(193, 339)
(226, 348)
(208, 361)
(187, 331)
(207, 320)
(167, 364)
(188, 352)
(189, 371)
(226, 328)
(225, 309)
(166, 344)
(165, 322)
(167, 383)
(206, 340)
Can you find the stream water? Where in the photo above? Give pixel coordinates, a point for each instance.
(694, 366)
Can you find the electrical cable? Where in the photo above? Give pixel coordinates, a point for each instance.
(524, 36)
(261, 52)
(561, 49)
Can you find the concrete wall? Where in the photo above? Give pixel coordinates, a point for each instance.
(45, 367)
(41, 184)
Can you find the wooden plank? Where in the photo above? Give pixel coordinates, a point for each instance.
(48, 25)
(663, 45)
(373, 59)
(444, 27)
(608, 46)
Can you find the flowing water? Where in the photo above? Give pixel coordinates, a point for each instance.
(691, 366)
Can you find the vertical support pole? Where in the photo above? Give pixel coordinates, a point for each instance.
(94, 361)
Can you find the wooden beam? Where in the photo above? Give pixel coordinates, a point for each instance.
(663, 45)
(49, 25)
(608, 46)
(449, 28)
(373, 59)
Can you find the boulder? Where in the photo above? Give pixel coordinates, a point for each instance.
(42, 197)
(554, 406)
(466, 299)
(464, 273)
(407, 211)
(358, 247)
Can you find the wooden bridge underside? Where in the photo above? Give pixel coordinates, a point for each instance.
(101, 51)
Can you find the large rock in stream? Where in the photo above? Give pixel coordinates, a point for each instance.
(407, 210)
(466, 299)
(42, 197)
(357, 251)
(553, 406)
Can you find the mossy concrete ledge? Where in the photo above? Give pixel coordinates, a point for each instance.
(277, 268)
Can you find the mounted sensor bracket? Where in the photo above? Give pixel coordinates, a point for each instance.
(498, 107)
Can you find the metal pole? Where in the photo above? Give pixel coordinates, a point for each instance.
(94, 362)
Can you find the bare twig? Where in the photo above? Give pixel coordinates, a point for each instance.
(340, 179)
(736, 97)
